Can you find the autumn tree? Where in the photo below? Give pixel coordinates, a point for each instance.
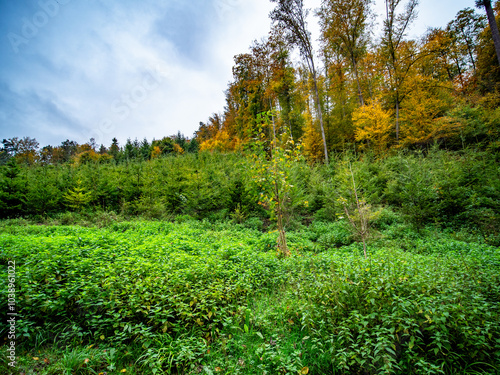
(282, 89)
(291, 15)
(399, 54)
(25, 149)
(245, 97)
(344, 23)
(446, 63)
(271, 170)
(464, 32)
(426, 104)
(373, 126)
(263, 79)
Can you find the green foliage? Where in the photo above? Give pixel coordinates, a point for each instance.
(155, 297)
(357, 211)
(78, 197)
(12, 191)
(272, 175)
(450, 189)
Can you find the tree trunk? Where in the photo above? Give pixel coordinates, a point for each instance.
(282, 245)
(320, 115)
(397, 119)
(272, 116)
(493, 26)
(360, 93)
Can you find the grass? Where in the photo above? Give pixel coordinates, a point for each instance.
(213, 298)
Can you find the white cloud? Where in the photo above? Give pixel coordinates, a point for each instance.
(90, 71)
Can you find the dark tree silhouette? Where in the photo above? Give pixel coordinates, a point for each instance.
(493, 24)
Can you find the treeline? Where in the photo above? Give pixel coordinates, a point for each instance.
(443, 188)
(363, 92)
(27, 151)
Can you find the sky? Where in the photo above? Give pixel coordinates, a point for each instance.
(73, 69)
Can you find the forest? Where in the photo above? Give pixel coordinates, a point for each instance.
(341, 215)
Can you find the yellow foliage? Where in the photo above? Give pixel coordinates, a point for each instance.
(312, 140)
(221, 142)
(422, 114)
(156, 152)
(87, 156)
(178, 149)
(373, 126)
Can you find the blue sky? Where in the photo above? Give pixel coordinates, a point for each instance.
(73, 69)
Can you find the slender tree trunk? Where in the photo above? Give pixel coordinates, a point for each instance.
(360, 93)
(272, 116)
(397, 118)
(282, 244)
(320, 113)
(493, 26)
(450, 77)
(342, 90)
(459, 72)
(470, 50)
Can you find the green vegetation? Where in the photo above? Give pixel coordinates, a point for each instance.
(173, 265)
(444, 188)
(239, 252)
(204, 297)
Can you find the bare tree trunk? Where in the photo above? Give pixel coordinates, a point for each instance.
(282, 245)
(397, 118)
(320, 116)
(318, 105)
(493, 26)
(272, 116)
(360, 93)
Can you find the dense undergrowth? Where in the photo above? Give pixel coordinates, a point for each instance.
(209, 297)
(443, 188)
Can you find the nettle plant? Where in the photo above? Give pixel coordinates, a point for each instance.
(272, 163)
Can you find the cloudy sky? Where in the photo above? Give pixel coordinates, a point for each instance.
(74, 69)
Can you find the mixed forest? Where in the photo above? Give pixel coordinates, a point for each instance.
(341, 215)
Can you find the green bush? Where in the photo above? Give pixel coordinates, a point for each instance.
(192, 295)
